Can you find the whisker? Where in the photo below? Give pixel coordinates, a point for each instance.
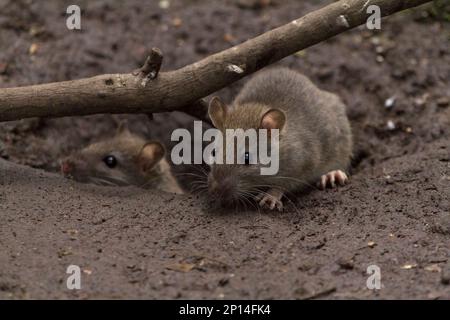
(109, 181)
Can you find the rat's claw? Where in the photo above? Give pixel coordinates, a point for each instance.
(331, 178)
(271, 200)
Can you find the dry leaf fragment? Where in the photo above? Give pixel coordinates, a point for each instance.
(433, 268)
(87, 271)
(181, 267)
(408, 266)
(177, 22)
(33, 49)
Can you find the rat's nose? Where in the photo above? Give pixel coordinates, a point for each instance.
(223, 189)
(67, 167)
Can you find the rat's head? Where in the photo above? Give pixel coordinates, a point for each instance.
(123, 159)
(233, 183)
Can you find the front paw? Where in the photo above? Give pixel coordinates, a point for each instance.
(270, 200)
(332, 178)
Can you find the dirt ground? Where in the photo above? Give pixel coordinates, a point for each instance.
(135, 243)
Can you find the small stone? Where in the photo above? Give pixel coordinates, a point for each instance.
(164, 4)
(177, 22)
(375, 41)
(379, 49)
(380, 59)
(371, 244)
(390, 125)
(419, 102)
(390, 103)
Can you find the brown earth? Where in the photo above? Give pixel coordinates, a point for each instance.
(133, 243)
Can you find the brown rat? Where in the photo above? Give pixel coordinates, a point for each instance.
(125, 159)
(315, 142)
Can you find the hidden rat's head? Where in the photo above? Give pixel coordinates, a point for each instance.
(123, 159)
(234, 183)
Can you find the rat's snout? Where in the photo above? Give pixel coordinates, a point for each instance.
(67, 167)
(72, 166)
(222, 188)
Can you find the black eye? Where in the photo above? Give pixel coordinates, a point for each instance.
(247, 158)
(110, 161)
(213, 153)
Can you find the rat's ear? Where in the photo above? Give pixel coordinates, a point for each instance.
(123, 127)
(150, 155)
(217, 112)
(273, 119)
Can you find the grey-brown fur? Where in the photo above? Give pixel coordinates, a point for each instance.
(315, 139)
(87, 165)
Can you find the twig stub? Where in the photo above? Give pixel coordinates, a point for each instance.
(152, 65)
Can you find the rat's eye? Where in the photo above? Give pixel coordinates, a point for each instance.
(110, 161)
(247, 158)
(213, 153)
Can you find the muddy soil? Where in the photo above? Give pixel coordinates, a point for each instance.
(133, 243)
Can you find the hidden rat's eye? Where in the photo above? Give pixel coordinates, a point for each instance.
(110, 161)
(247, 158)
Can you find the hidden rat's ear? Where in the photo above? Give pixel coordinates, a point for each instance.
(273, 119)
(217, 112)
(150, 155)
(123, 127)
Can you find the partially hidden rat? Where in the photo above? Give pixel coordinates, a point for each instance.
(315, 139)
(122, 160)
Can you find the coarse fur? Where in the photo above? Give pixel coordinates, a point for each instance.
(315, 135)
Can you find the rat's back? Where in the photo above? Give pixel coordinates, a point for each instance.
(284, 89)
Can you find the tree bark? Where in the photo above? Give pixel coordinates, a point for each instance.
(147, 91)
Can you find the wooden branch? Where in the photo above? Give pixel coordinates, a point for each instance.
(176, 90)
(198, 109)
